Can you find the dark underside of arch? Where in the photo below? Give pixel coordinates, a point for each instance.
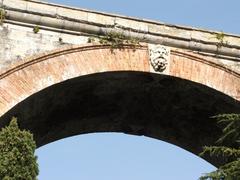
(163, 107)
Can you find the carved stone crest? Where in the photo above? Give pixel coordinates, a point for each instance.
(159, 56)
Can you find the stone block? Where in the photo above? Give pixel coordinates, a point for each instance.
(203, 36)
(72, 14)
(52, 22)
(131, 24)
(12, 3)
(101, 19)
(42, 8)
(169, 31)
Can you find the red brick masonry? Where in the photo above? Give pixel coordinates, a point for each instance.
(31, 75)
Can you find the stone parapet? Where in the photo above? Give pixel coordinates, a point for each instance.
(75, 21)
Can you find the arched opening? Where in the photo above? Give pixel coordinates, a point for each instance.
(163, 107)
(117, 156)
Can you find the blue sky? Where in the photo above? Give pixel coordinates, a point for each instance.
(112, 156)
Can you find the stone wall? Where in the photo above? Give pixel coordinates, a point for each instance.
(19, 42)
(62, 25)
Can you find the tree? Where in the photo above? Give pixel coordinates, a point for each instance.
(17, 159)
(227, 148)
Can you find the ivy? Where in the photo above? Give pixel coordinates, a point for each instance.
(2, 15)
(116, 40)
(221, 39)
(36, 29)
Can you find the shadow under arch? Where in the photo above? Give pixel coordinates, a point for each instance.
(168, 108)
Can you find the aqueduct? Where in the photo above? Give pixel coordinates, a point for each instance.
(60, 84)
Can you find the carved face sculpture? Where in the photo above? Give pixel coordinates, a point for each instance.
(159, 55)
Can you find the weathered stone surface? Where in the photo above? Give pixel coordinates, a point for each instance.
(21, 42)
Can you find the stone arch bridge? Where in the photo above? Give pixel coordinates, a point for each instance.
(60, 80)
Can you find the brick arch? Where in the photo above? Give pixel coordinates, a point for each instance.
(171, 99)
(205, 70)
(31, 75)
